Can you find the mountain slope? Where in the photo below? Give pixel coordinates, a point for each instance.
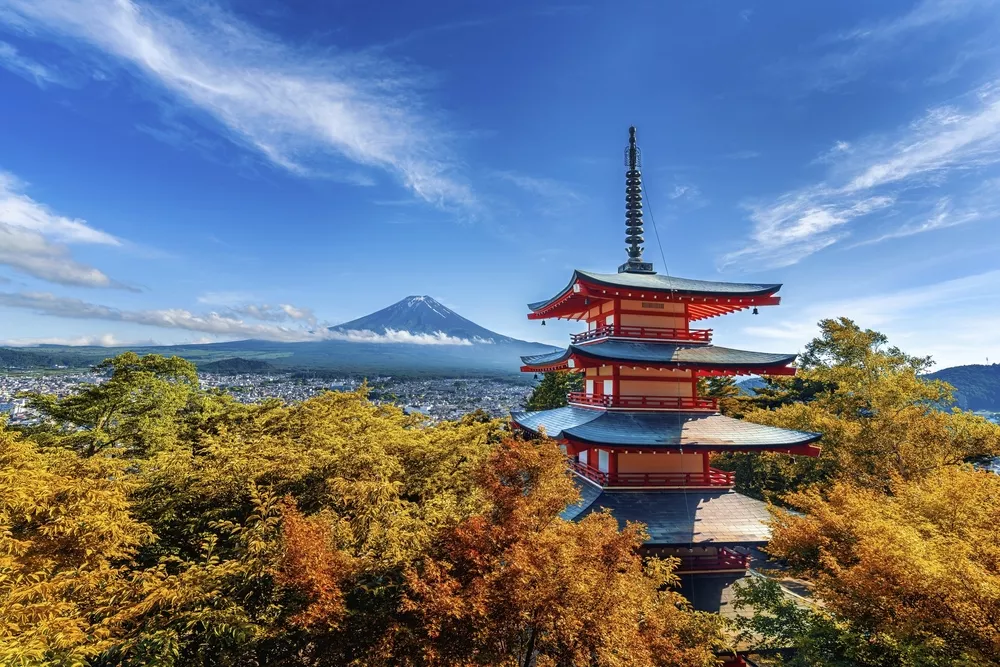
(977, 386)
(423, 316)
(416, 336)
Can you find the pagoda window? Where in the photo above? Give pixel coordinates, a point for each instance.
(582, 456)
(590, 387)
(609, 387)
(603, 460)
(610, 320)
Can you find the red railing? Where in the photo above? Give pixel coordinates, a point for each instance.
(714, 477)
(644, 402)
(655, 333)
(593, 474)
(722, 559)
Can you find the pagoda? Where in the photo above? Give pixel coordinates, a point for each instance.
(639, 437)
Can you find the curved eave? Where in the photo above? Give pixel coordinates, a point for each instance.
(578, 357)
(677, 431)
(804, 448)
(705, 302)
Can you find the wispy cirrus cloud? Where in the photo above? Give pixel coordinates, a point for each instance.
(846, 56)
(958, 332)
(14, 61)
(256, 323)
(871, 175)
(296, 107)
(552, 197)
(35, 241)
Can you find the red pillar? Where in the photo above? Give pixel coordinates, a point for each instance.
(705, 467)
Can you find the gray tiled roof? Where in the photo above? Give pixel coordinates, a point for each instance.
(681, 518)
(589, 492)
(656, 282)
(702, 355)
(692, 430)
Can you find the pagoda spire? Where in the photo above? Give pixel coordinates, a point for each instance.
(633, 210)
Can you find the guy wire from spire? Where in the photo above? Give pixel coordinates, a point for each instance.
(656, 233)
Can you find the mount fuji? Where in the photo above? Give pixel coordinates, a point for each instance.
(424, 317)
(415, 336)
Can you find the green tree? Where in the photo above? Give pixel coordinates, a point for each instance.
(552, 390)
(135, 410)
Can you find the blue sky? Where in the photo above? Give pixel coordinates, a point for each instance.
(187, 171)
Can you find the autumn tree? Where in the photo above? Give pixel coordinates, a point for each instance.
(551, 392)
(908, 578)
(305, 534)
(879, 417)
(513, 584)
(136, 409)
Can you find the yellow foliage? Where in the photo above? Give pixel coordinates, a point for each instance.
(298, 534)
(919, 567)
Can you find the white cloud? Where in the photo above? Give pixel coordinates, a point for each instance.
(19, 210)
(32, 254)
(943, 216)
(942, 319)
(279, 313)
(292, 105)
(17, 63)
(217, 324)
(33, 240)
(104, 340)
(870, 176)
(393, 336)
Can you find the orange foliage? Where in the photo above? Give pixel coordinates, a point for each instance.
(516, 583)
(313, 567)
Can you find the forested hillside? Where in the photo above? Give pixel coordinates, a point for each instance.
(977, 386)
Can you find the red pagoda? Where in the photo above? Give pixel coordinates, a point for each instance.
(639, 437)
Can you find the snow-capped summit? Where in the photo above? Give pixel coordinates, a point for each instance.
(423, 315)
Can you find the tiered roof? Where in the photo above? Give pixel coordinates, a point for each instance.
(681, 518)
(688, 431)
(662, 355)
(706, 298)
(635, 432)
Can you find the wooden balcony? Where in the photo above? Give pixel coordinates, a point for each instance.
(714, 478)
(643, 402)
(645, 333)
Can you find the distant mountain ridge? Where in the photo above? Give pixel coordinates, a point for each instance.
(424, 316)
(417, 336)
(977, 386)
